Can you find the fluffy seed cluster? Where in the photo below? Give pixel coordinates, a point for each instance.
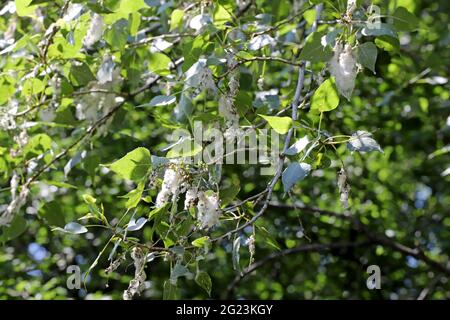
(343, 68)
(226, 102)
(227, 110)
(137, 284)
(95, 31)
(250, 242)
(174, 183)
(208, 207)
(191, 198)
(17, 200)
(22, 138)
(199, 76)
(7, 121)
(101, 98)
(344, 188)
(351, 6)
(49, 114)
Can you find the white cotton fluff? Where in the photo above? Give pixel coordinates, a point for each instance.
(22, 138)
(200, 21)
(94, 105)
(17, 200)
(190, 198)
(172, 183)
(208, 210)
(136, 285)
(227, 110)
(232, 133)
(105, 72)
(261, 41)
(162, 198)
(172, 180)
(233, 84)
(343, 68)
(200, 76)
(250, 242)
(95, 31)
(47, 114)
(351, 6)
(7, 121)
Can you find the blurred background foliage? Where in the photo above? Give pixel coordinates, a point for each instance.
(401, 195)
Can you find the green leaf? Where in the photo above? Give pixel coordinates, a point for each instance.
(310, 16)
(134, 196)
(32, 86)
(126, 8)
(130, 6)
(293, 173)
(326, 97)
(97, 8)
(52, 213)
(170, 291)
(39, 1)
(89, 199)
(405, 20)
(322, 161)
(176, 19)
(17, 226)
(159, 101)
(134, 165)
(367, 55)
(192, 50)
(186, 148)
(221, 15)
(387, 43)
(90, 165)
(135, 225)
(178, 271)
(80, 74)
(37, 145)
(73, 228)
(268, 237)
(229, 193)
(158, 211)
(280, 124)
(201, 242)
(204, 281)
(24, 8)
(6, 92)
(59, 184)
(298, 146)
(117, 35)
(159, 63)
(314, 51)
(380, 29)
(135, 22)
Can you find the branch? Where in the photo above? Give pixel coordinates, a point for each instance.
(278, 25)
(417, 253)
(245, 60)
(51, 33)
(161, 36)
(317, 247)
